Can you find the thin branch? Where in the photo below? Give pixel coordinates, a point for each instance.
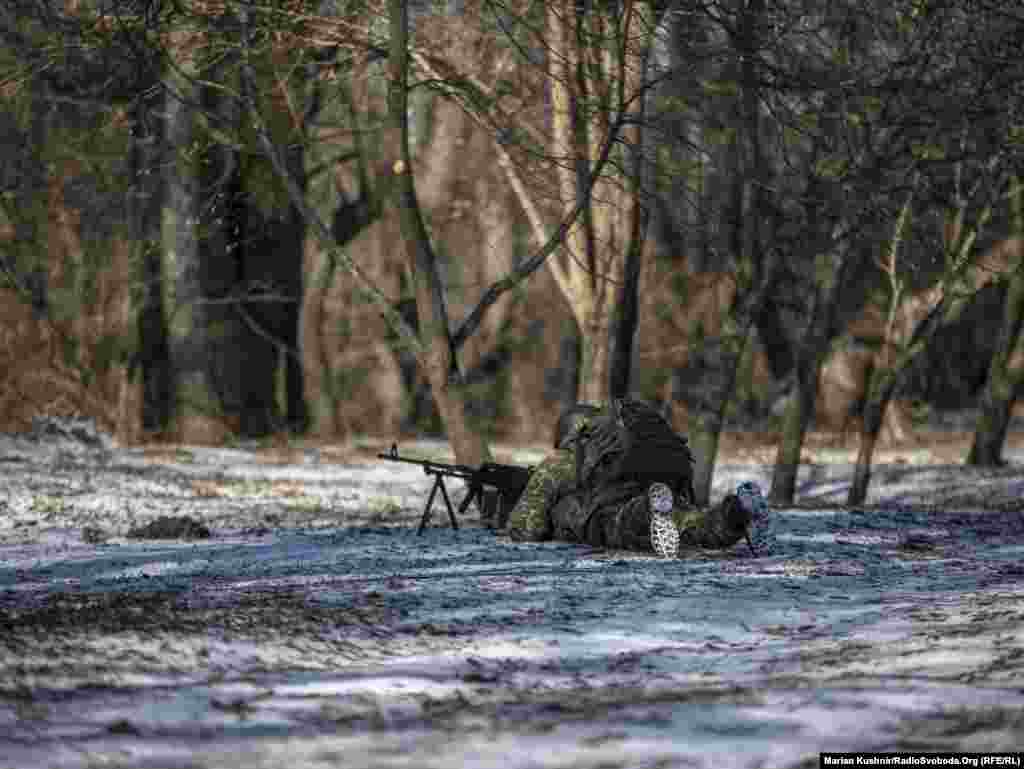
(534, 262)
(405, 332)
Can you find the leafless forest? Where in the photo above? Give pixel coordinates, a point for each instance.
(233, 218)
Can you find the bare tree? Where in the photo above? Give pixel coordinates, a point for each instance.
(594, 70)
(434, 344)
(438, 356)
(215, 310)
(754, 261)
(865, 143)
(822, 98)
(962, 277)
(597, 60)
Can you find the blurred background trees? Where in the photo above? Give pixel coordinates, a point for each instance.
(776, 214)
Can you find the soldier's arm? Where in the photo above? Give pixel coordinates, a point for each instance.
(530, 520)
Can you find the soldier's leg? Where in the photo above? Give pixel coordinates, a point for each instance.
(617, 517)
(622, 518)
(717, 527)
(655, 521)
(626, 526)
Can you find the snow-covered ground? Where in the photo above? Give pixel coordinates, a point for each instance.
(316, 629)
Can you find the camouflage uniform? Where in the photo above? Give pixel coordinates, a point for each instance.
(594, 487)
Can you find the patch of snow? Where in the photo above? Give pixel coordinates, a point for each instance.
(317, 629)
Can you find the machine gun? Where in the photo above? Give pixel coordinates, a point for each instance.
(495, 487)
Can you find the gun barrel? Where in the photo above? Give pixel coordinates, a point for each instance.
(456, 471)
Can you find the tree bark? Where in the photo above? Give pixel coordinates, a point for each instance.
(626, 316)
(947, 305)
(241, 352)
(270, 262)
(886, 379)
(883, 383)
(771, 333)
(821, 329)
(438, 357)
(874, 414)
(994, 420)
(886, 374)
(223, 384)
(594, 80)
(146, 200)
(625, 321)
(794, 428)
(595, 356)
(1003, 385)
(720, 362)
(195, 400)
(296, 410)
(240, 357)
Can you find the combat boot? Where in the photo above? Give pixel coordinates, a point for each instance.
(761, 530)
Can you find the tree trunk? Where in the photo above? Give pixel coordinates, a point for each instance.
(624, 324)
(874, 415)
(626, 316)
(241, 357)
(241, 353)
(271, 268)
(771, 333)
(288, 250)
(887, 373)
(595, 357)
(887, 377)
(195, 400)
(596, 70)
(993, 421)
(146, 200)
(882, 384)
(216, 371)
(794, 428)
(720, 362)
(828, 237)
(1003, 385)
(821, 329)
(296, 411)
(566, 377)
(944, 306)
(438, 359)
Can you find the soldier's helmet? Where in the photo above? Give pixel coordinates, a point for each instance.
(574, 422)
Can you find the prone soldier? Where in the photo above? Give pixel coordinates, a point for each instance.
(620, 477)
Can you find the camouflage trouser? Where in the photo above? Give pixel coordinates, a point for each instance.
(552, 507)
(716, 528)
(621, 521)
(627, 524)
(550, 481)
